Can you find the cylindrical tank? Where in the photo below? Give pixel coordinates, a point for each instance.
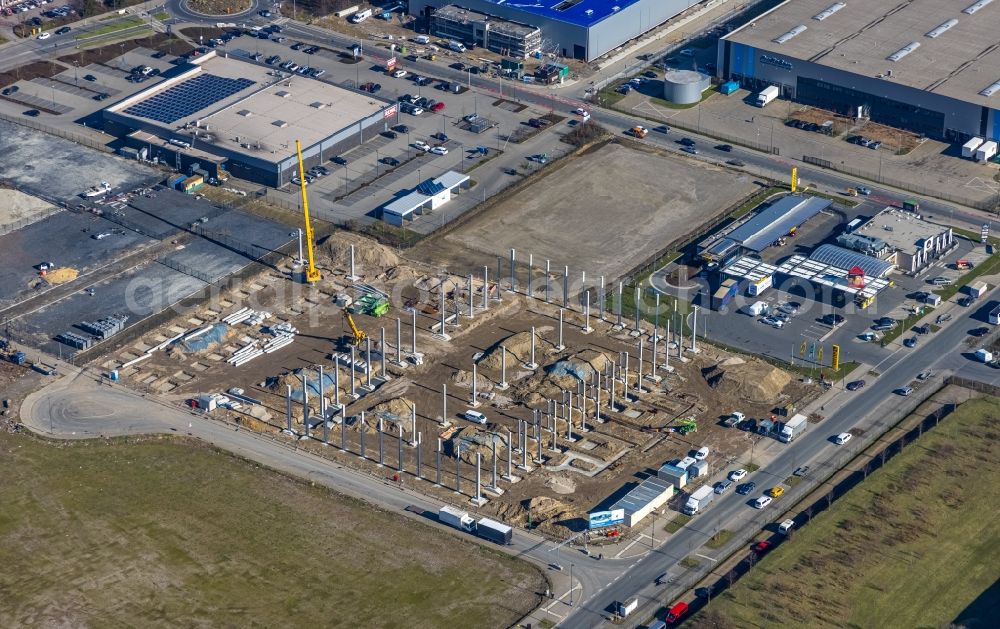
(684, 87)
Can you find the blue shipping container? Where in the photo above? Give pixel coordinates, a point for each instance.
(729, 87)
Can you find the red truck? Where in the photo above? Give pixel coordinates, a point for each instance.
(675, 613)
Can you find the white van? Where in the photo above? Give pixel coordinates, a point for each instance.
(475, 417)
(456, 46)
(423, 40)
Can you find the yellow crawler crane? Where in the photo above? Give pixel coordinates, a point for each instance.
(359, 335)
(312, 273)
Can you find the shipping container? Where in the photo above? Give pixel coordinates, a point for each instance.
(494, 531)
(729, 87)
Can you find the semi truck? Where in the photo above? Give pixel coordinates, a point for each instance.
(969, 148)
(766, 95)
(457, 518)
(793, 428)
(494, 531)
(699, 500)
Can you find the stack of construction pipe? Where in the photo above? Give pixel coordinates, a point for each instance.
(238, 317)
(198, 332)
(278, 342)
(151, 350)
(245, 354)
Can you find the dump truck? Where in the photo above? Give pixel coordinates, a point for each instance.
(699, 500)
(793, 428)
(767, 95)
(494, 531)
(457, 518)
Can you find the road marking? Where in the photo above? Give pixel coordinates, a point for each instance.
(706, 557)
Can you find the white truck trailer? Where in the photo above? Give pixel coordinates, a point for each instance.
(699, 500)
(461, 520)
(766, 95)
(969, 148)
(793, 428)
(986, 151)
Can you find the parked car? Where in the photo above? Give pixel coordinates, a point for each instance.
(392, 135)
(399, 74)
(762, 502)
(855, 385)
(339, 160)
(439, 150)
(32, 112)
(63, 30)
(420, 145)
(439, 106)
(722, 486)
(940, 281)
(746, 488)
(842, 438)
(910, 342)
(762, 547)
(7, 91)
(737, 475)
(776, 491)
(904, 391)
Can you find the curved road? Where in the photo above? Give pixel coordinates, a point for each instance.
(179, 9)
(78, 407)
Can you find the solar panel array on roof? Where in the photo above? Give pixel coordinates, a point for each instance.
(429, 187)
(187, 97)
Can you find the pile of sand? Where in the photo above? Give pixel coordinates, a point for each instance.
(370, 257)
(753, 380)
(62, 275)
(561, 483)
(394, 413)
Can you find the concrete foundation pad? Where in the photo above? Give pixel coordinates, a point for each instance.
(559, 348)
(693, 350)
(617, 328)
(503, 386)
(652, 378)
(496, 491)
(635, 334)
(511, 479)
(478, 501)
(442, 337)
(531, 366)
(586, 330)
(475, 403)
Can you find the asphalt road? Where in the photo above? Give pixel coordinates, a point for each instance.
(859, 409)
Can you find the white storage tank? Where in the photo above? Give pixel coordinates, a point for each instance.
(684, 87)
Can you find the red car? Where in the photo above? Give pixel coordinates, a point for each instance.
(762, 547)
(437, 106)
(676, 612)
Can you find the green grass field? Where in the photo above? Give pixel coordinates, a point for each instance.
(161, 533)
(912, 546)
(119, 25)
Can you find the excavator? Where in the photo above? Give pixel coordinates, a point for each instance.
(358, 333)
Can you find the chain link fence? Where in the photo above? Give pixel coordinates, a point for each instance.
(78, 138)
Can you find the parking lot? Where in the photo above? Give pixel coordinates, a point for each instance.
(932, 163)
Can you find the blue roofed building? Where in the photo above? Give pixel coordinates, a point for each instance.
(578, 29)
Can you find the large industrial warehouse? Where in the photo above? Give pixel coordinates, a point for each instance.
(928, 66)
(579, 29)
(245, 119)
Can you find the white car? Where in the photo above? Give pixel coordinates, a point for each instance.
(439, 150)
(475, 417)
(701, 454)
(737, 475)
(420, 145)
(842, 438)
(762, 502)
(44, 35)
(398, 74)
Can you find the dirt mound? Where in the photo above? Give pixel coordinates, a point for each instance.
(399, 407)
(561, 484)
(370, 257)
(518, 348)
(541, 509)
(753, 380)
(60, 276)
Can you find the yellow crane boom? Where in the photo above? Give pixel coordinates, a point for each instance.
(312, 273)
(359, 335)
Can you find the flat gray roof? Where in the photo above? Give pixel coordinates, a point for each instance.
(649, 490)
(769, 224)
(268, 115)
(901, 230)
(958, 53)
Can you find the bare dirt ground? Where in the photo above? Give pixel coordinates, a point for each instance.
(16, 206)
(603, 212)
(588, 471)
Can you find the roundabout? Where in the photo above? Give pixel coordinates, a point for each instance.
(213, 10)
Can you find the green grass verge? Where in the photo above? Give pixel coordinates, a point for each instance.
(833, 197)
(904, 326)
(709, 93)
(677, 523)
(161, 15)
(719, 539)
(988, 266)
(751, 467)
(111, 28)
(690, 562)
(913, 546)
(116, 37)
(744, 208)
(132, 534)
